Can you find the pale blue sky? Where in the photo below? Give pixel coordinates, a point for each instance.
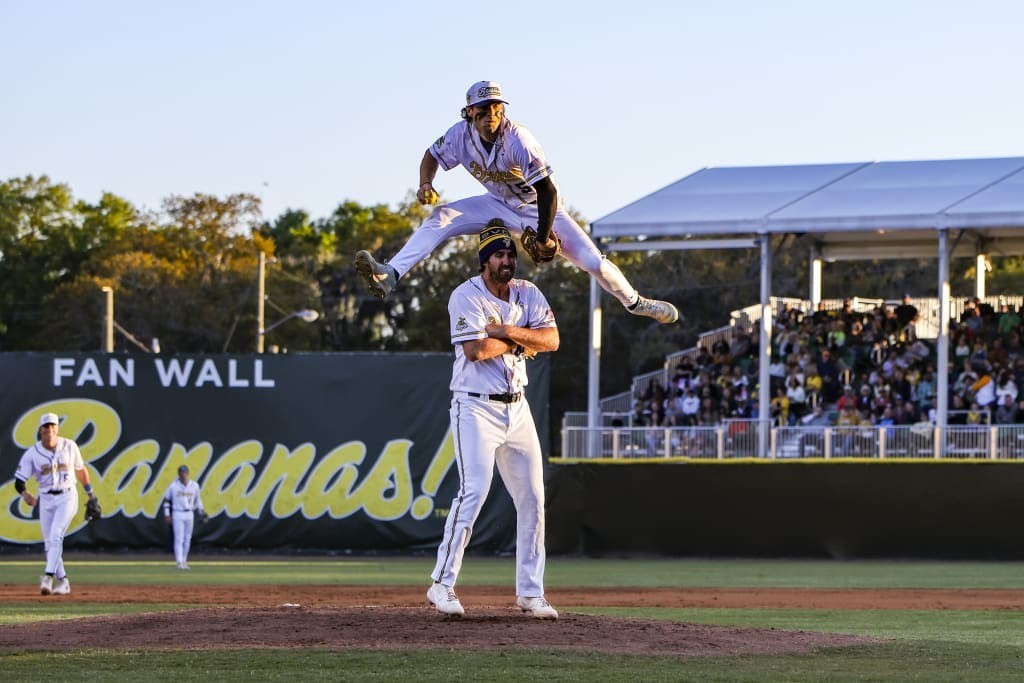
(308, 103)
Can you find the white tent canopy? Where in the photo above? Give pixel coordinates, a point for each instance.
(864, 210)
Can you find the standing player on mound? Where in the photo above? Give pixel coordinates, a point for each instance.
(496, 322)
(509, 162)
(54, 461)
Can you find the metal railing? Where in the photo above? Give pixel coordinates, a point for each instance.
(739, 439)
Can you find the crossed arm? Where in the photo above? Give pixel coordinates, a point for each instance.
(504, 338)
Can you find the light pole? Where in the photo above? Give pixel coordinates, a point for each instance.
(261, 276)
(306, 314)
(107, 332)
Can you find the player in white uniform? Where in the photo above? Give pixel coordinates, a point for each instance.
(181, 503)
(496, 323)
(509, 162)
(55, 462)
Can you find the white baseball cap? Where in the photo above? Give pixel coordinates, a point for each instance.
(484, 91)
(49, 419)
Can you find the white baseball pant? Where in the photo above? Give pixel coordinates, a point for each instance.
(55, 514)
(488, 433)
(182, 523)
(468, 216)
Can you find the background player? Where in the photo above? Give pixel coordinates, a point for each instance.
(510, 164)
(51, 461)
(496, 321)
(181, 504)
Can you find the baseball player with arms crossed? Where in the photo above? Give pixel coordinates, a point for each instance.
(509, 162)
(181, 506)
(496, 323)
(52, 460)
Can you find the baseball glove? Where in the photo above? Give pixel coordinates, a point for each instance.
(540, 253)
(201, 516)
(93, 510)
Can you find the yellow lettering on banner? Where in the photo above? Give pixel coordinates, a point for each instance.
(291, 481)
(435, 474)
(284, 471)
(124, 481)
(330, 486)
(228, 481)
(387, 490)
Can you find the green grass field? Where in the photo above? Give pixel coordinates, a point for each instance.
(924, 645)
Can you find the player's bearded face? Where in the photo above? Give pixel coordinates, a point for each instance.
(487, 118)
(501, 267)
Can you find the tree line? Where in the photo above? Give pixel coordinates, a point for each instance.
(187, 275)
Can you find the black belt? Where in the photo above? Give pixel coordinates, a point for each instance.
(57, 493)
(504, 398)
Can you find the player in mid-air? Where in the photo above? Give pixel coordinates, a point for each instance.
(509, 162)
(497, 321)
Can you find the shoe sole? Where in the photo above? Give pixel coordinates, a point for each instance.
(674, 318)
(45, 591)
(553, 617)
(364, 266)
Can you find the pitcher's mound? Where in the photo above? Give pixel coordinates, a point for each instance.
(406, 628)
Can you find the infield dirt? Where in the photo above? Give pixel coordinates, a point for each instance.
(390, 617)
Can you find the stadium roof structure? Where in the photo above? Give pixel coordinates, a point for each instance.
(860, 210)
(850, 211)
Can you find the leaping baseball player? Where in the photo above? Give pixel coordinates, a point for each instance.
(509, 162)
(55, 462)
(497, 322)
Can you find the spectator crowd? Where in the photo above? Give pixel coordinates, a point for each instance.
(848, 367)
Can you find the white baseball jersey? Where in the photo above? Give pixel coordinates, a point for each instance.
(182, 497)
(471, 308)
(491, 431)
(58, 494)
(507, 171)
(180, 502)
(53, 470)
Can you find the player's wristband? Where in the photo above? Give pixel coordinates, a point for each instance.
(88, 488)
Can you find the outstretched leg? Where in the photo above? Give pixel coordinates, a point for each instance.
(580, 250)
(462, 217)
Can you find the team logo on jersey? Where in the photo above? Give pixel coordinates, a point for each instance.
(438, 142)
(461, 325)
(484, 176)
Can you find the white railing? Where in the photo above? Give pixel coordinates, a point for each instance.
(739, 439)
(618, 403)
